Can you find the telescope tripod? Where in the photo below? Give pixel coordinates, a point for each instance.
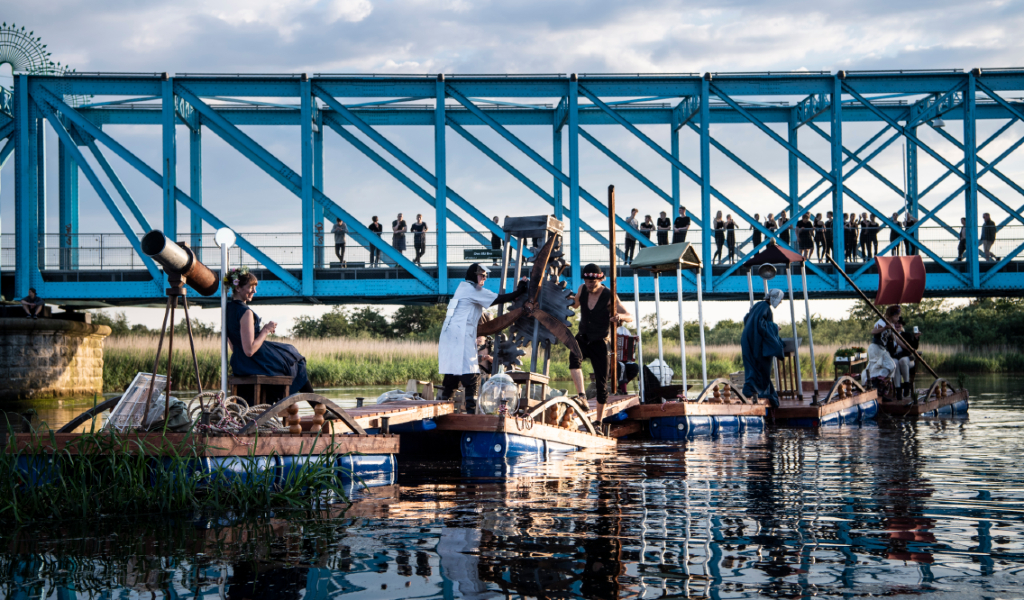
(177, 290)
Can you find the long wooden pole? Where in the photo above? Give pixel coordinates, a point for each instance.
(882, 316)
(614, 307)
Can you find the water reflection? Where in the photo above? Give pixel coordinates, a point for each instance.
(897, 507)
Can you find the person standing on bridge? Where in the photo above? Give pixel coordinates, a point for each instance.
(663, 226)
(849, 237)
(680, 227)
(630, 240)
(647, 226)
(988, 237)
(495, 242)
(419, 238)
(339, 230)
(376, 228)
(909, 248)
(398, 230)
(458, 355)
(894, 234)
(755, 233)
(961, 247)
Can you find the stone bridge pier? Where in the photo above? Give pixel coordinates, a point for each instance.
(49, 358)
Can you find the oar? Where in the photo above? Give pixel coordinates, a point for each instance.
(882, 316)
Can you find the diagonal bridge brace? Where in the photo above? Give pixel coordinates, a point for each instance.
(405, 159)
(50, 113)
(537, 158)
(151, 174)
(293, 182)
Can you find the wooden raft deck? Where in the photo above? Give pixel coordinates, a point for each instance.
(550, 433)
(692, 409)
(791, 408)
(933, 402)
(183, 444)
(406, 411)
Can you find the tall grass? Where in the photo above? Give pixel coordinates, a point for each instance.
(335, 362)
(101, 474)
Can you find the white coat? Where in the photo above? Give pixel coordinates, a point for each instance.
(456, 350)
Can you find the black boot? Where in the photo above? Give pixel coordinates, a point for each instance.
(905, 391)
(470, 405)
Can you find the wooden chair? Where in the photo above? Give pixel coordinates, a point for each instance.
(266, 389)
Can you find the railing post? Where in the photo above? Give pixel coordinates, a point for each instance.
(168, 122)
(574, 181)
(705, 183)
(441, 193)
(971, 170)
(838, 231)
(306, 146)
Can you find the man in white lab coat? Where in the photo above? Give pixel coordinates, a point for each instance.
(457, 357)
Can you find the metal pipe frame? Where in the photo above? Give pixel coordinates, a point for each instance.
(584, 106)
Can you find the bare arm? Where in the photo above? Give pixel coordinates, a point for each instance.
(621, 314)
(576, 298)
(251, 343)
(877, 330)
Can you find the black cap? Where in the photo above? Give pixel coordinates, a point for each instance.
(593, 271)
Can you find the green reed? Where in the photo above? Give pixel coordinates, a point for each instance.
(98, 474)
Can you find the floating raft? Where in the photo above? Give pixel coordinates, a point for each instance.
(940, 400)
(843, 401)
(717, 409)
(499, 437)
(400, 416)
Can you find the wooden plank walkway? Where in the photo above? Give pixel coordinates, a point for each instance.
(691, 409)
(903, 409)
(492, 423)
(616, 404)
(791, 408)
(405, 411)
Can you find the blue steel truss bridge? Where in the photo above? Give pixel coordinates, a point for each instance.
(956, 133)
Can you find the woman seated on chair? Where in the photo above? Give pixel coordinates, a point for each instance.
(252, 353)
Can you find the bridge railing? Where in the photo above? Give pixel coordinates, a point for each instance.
(112, 251)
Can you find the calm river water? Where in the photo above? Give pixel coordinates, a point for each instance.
(933, 507)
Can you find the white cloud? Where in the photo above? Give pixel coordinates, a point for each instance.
(351, 11)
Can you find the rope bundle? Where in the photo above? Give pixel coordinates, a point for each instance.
(228, 414)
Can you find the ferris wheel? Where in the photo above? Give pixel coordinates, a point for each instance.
(25, 52)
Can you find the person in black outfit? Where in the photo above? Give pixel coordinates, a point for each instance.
(819, 236)
(961, 247)
(894, 234)
(730, 237)
(647, 226)
(495, 241)
(419, 238)
(771, 225)
(783, 229)
(755, 235)
(850, 236)
(876, 227)
(664, 224)
(376, 228)
(597, 320)
(32, 304)
(829, 223)
(398, 229)
(681, 226)
(805, 236)
(909, 248)
(719, 226)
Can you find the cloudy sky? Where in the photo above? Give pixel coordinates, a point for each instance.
(462, 36)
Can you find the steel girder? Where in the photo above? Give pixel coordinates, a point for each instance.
(697, 103)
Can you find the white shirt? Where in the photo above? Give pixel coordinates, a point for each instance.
(456, 350)
(632, 222)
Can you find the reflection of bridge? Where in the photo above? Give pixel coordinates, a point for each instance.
(876, 109)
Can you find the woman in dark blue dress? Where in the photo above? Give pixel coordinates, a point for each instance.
(252, 353)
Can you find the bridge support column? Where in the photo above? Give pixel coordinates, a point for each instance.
(195, 182)
(306, 197)
(26, 273)
(971, 170)
(674, 133)
(838, 231)
(68, 209)
(574, 181)
(41, 189)
(318, 183)
(168, 122)
(441, 190)
(705, 184)
(794, 177)
(556, 161)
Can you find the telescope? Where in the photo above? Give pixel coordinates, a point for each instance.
(180, 262)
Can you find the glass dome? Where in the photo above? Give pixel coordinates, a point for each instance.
(499, 388)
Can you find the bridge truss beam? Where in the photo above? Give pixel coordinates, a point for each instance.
(355, 107)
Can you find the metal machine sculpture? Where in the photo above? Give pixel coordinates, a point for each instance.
(541, 317)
